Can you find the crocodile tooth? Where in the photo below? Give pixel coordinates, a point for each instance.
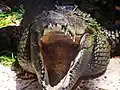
(69, 34)
(63, 29)
(113, 35)
(112, 32)
(106, 32)
(45, 26)
(50, 25)
(71, 37)
(117, 33)
(42, 71)
(74, 38)
(109, 33)
(66, 32)
(58, 25)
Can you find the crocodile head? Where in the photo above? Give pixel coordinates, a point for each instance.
(63, 45)
(60, 38)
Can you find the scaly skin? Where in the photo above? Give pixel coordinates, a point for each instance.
(87, 47)
(59, 59)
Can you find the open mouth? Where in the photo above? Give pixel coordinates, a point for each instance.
(56, 32)
(62, 46)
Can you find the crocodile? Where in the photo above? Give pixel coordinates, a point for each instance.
(61, 44)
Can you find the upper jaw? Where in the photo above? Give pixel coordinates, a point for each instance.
(55, 21)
